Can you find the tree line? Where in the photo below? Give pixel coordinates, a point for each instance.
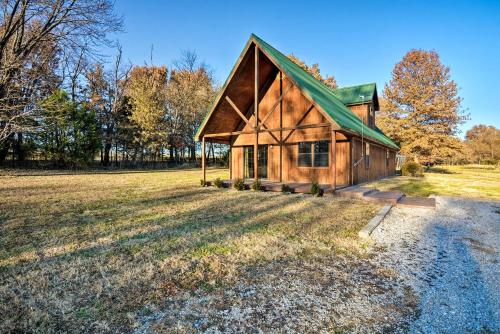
(62, 102)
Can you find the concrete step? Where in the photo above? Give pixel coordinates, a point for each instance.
(387, 197)
(418, 202)
(355, 192)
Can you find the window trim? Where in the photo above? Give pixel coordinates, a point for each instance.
(311, 142)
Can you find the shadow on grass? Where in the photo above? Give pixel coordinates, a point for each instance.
(439, 170)
(115, 253)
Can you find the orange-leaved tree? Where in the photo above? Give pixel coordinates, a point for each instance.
(421, 108)
(314, 70)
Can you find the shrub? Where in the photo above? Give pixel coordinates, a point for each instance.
(285, 188)
(257, 185)
(218, 183)
(411, 168)
(239, 184)
(203, 183)
(316, 190)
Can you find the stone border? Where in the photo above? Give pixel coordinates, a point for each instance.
(374, 222)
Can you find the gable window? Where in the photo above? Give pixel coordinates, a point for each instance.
(371, 116)
(314, 154)
(367, 156)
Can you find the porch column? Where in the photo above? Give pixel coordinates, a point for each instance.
(203, 159)
(281, 126)
(230, 161)
(334, 159)
(351, 157)
(256, 115)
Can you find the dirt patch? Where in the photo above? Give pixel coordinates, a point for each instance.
(327, 293)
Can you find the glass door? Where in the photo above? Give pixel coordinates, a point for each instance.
(248, 171)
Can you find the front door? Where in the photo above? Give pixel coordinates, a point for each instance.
(248, 171)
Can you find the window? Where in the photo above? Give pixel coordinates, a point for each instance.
(248, 162)
(367, 156)
(320, 154)
(371, 116)
(314, 154)
(305, 154)
(387, 157)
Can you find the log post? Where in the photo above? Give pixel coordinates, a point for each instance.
(351, 157)
(281, 125)
(230, 161)
(256, 115)
(334, 159)
(203, 159)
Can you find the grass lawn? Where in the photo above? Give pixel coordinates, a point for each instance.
(472, 181)
(93, 252)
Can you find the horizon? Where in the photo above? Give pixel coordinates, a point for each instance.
(467, 40)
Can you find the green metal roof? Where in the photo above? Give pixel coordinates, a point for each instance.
(321, 95)
(356, 94)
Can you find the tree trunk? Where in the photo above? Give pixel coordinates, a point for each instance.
(192, 150)
(213, 152)
(171, 153)
(4, 147)
(107, 149)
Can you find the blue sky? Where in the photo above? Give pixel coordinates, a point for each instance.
(356, 41)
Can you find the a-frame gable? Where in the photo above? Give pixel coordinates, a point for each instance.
(232, 108)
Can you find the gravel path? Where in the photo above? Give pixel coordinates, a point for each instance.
(450, 258)
(430, 271)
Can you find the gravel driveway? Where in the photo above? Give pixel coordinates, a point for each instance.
(428, 271)
(450, 258)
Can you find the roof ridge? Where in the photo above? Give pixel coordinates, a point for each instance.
(352, 86)
(348, 113)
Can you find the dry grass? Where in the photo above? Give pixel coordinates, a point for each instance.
(471, 181)
(85, 252)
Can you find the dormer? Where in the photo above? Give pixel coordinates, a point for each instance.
(362, 100)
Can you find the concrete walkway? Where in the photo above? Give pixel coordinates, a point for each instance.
(385, 197)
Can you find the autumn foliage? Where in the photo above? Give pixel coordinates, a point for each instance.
(421, 108)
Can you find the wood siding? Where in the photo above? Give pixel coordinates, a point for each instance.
(296, 110)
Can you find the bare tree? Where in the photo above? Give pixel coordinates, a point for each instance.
(29, 27)
(107, 97)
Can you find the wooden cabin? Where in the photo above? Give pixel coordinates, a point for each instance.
(285, 126)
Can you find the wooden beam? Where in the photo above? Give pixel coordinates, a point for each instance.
(334, 159)
(237, 110)
(270, 133)
(351, 164)
(276, 104)
(203, 159)
(230, 161)
(281, 125)
(256, 113)
(300, 121)
(236, 133)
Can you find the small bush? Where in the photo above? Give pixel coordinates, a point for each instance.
(316, 190)
(285, 188)
(239, 184)
(412, 168)
(203, 183)
(257, 185)
(218, 183)
(491, 162)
